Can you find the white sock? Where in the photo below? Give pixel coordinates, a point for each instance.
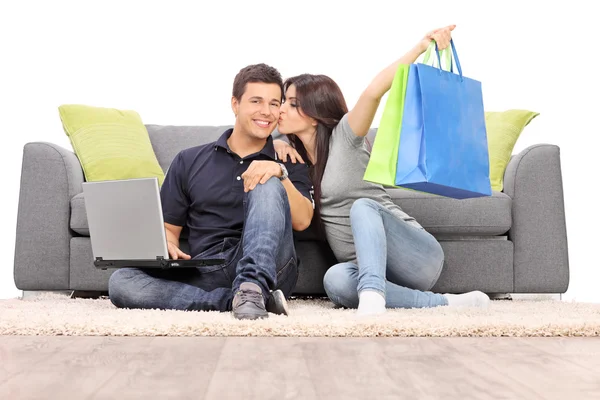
(370, 302)
(470, 299)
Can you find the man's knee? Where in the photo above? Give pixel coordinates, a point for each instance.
(273, 188)
(268, 198)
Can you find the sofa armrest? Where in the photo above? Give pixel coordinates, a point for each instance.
(533, 179)
(50, 177)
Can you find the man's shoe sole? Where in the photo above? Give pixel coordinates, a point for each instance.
(251, 316)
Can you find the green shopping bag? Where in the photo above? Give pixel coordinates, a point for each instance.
(384, 155)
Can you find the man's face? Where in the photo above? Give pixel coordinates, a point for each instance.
(257, 112)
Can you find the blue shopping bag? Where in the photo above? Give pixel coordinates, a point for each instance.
(443, 146)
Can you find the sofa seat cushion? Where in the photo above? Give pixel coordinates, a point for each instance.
(490, 215)
(79, 221)
(441, 216)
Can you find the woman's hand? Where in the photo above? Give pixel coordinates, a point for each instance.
(441, 36)
(285, 150)
(361, 116)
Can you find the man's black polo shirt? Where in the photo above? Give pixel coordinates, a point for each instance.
(203, 188)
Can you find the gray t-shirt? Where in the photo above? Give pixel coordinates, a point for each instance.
(343, 183)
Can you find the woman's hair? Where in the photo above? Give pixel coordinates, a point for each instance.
(318, 97)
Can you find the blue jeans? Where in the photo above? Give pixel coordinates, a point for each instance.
(265, 255)
(399, 260)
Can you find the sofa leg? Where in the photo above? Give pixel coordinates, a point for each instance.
(28, 294)
(87, 294)
(525, 296)
(500, 296)
(537, 296)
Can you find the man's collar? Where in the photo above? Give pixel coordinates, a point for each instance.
(222, 141)
(268, 150)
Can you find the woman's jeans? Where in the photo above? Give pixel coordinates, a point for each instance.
(400, 261)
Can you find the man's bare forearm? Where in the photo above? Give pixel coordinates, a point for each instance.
(300, 207)
(173, 232)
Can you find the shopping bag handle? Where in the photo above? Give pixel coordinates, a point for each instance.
(455, 57)
(446, 54)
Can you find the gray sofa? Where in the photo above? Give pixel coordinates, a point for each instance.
(511, 242)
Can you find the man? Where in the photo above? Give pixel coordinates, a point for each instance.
(239, 203)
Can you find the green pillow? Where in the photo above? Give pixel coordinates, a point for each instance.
(503, 130)
(110, 144)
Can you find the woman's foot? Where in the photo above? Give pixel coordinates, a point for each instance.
(470, 299)
(370, 302)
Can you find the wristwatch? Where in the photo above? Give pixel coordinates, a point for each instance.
(284, 172)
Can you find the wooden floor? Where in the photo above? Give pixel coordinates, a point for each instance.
(299, 368)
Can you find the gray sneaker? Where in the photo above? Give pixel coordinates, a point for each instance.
(277, 304)
(248, 302)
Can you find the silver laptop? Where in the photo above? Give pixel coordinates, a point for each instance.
(126, 225)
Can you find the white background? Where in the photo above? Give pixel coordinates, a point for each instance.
(174, 63)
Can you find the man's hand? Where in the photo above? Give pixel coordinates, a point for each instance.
(176, 253)
(260, 172)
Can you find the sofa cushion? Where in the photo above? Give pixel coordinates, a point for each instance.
(168, 140)
(503, 130)
(110, 144)
(490, 215)
(439, 215)
(79, 221)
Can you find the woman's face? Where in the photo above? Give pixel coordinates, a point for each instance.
(291, 121)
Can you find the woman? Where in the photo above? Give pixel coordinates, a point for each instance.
(386, 257)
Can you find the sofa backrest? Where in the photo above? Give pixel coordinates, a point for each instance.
(168, 140)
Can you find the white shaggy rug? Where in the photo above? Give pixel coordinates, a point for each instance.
(54, 314)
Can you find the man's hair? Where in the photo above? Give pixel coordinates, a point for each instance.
(255, 73)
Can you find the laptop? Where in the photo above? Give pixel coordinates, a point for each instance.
(126, 226)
